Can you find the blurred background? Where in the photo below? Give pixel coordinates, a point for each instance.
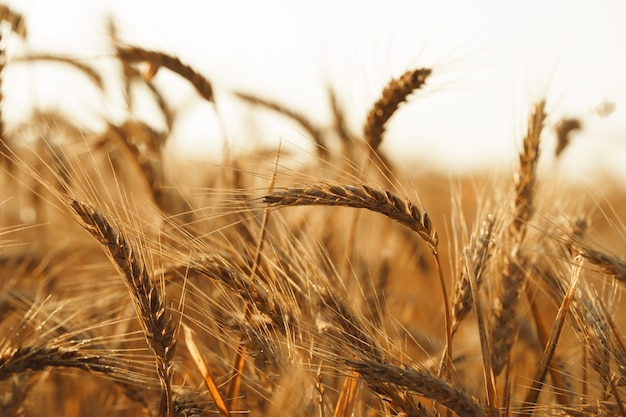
(491, 60)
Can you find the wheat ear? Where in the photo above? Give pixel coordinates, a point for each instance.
(527, 174)
(158, 326)
(563, 130)
(379, 375)
(515, 270)
(160, 59)
(15, 360)
(394, 94)
(479, 249)
(362, 196)
(609, 264)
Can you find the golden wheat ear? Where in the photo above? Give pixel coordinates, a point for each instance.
(379, 376)
(517, 264)
(158, 327)
(394, 94)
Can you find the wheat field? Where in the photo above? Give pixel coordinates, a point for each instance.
(135, 284)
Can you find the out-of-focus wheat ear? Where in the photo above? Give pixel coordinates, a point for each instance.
(188, 403)
(158, 327)
(168, 114)
(133, 54)
(527, 171)
(15, 20)
(546, 358)
(15, 360)
(131, 74)
(479, 248)
(379, 375)
(564, 129)
(15, 399)
(314, 131)
(394, 94)
(347, 396)
(609, 264)
(205, 372)
(126, 137)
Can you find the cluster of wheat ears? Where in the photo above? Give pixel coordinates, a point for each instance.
(133, 285)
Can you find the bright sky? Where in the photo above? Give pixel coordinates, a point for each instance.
(491, 59)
